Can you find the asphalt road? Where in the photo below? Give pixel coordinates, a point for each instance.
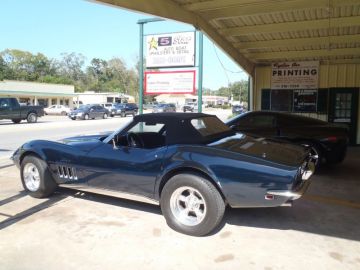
(58, 127)
(51, 128)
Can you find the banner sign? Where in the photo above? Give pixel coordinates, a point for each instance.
(170, 50)
(305, 100)
(170, 82)
(295, 75)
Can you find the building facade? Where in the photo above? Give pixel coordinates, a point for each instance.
(91, 97)
(34, 93)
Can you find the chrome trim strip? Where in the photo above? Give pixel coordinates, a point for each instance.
(118, 194)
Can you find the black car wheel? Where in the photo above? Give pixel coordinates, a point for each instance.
(123, 114)
(16, 121)
(63, 113)
(86, 117)
(36, 177)
(31, 118)
(191, 204)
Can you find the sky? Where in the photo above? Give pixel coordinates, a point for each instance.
(97, 31)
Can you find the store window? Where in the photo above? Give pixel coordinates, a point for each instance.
(53, 101)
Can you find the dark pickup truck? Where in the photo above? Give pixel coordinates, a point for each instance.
(11, 109)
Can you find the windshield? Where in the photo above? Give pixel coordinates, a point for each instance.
(209, 126)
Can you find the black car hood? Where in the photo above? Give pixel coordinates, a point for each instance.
(272, 150)
(86, 142)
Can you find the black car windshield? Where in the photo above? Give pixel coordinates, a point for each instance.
(210, 126)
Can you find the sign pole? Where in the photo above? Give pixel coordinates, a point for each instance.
(200, 76)
(141, 55)
(141, 68)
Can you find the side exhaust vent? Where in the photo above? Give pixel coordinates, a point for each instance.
(65, 172)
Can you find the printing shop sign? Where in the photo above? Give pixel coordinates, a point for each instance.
(170, 50)
(295, 75)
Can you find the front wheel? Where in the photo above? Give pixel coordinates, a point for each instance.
(191, 204)
(31, 118)
(36, 177)
(122, 114)
(105, 116)
(315, 153)
(86, 117)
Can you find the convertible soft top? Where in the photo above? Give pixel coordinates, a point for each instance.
(179, 129)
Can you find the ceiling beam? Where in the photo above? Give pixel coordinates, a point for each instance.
(222, 9)
(292, 26)
(282, 43)
(171, 10)
(304, 54)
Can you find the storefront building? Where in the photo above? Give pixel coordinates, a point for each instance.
(335, 99)
(43, 94)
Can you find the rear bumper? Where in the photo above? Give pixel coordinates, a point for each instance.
(301, 185)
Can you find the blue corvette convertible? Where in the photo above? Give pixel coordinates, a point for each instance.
(192, 164)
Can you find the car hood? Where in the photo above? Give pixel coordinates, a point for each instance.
(271, 150)
(86, 142)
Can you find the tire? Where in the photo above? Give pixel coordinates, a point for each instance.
(105, 116)
(86, 117)
(36, 178)
(63, 113)
(315, 152)
(206, 204)
(123, 114)
(16, 121)
(31, 118)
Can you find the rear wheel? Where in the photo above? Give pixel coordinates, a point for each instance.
(105, 116)
(123, 114)
(63, 113)
(86, 116)
(16, 121)
(36, 177)
(31, 118)
(191, 204)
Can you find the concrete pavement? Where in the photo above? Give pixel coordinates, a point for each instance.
(75, 230)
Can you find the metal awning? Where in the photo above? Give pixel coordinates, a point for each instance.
(258, 32)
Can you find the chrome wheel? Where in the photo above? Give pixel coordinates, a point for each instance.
(314, 156)
(188, 206)
(31, 177)
(86, 117)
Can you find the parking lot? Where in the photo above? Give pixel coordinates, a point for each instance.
(75, 230)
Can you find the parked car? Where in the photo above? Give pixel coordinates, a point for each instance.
(163, 107)
(238, 109)
(190, 106)
(57, 110)
(124, 109)
(192, 164)
(328, 142)
(150, 105)
(11, 109)
(86, 112)
(107, 106)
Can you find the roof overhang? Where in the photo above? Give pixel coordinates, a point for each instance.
(259, 32)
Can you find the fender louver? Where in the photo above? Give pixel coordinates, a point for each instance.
(67, 172)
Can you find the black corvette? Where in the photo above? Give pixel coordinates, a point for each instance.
(328, 142)
(192, 164)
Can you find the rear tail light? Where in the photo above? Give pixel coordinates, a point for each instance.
(330, 139)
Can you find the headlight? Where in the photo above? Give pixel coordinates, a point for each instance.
(79, 114)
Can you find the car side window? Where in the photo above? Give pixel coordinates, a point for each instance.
(145, 127)
(257, 121)
(4, 103)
